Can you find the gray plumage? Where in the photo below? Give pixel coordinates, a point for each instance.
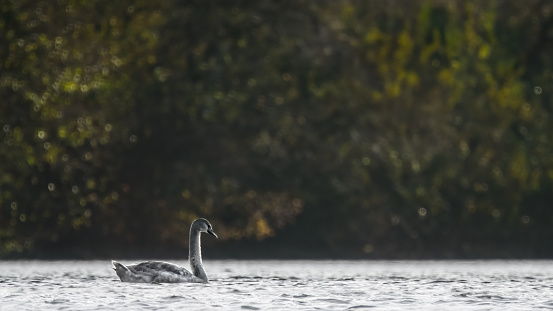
(164, 272)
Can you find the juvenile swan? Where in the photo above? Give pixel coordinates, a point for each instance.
(164, 272)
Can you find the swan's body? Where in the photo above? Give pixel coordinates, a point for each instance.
(164, 272)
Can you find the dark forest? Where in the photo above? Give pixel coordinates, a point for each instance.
(366, 129)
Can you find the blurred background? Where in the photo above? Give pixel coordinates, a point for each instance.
(300, 129)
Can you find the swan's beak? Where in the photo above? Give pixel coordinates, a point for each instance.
(210, 231)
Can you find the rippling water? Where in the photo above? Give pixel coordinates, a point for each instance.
(286, 285)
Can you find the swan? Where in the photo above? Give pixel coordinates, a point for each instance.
(164, 272)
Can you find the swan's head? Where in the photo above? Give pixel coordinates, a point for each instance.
(203, 225)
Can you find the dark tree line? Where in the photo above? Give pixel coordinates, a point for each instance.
(370, 128)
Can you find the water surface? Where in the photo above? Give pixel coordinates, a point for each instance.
(285, 285)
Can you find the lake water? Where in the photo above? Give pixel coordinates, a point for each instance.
(285, 285)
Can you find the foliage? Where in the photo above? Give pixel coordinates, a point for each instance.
(398, 128)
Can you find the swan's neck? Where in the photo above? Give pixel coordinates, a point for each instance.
(195, 255)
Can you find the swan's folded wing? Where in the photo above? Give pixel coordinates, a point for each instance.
(164, 272)
(159, 267)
